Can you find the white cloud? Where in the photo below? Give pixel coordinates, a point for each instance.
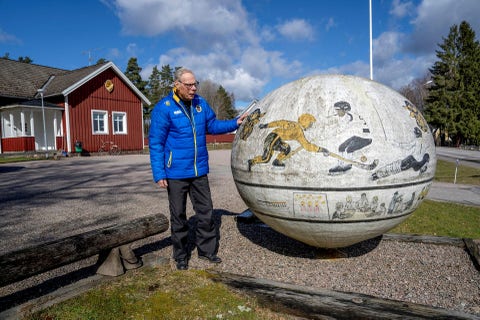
(222, 43)
(395, 74)
(399, 58)
(218, 40)
(386, 46)
(187, 19)
(434, 19)
(330, 24)
(401, 9)
(297, 29)
(8, 38)
(244, 75)
(133, 50)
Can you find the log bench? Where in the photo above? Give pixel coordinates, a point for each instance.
(316, 303)
(111, 243)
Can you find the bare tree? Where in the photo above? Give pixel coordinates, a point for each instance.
(417, 91)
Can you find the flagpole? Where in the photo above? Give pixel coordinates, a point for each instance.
(371, 56)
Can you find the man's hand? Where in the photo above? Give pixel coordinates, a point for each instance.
(162, 183)
(241, 118)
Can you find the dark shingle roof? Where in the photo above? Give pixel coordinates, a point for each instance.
(67, 79)
(22, 80)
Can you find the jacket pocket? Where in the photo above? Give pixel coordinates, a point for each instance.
(169, 163)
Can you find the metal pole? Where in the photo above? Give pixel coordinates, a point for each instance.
(371, 54)
(456, 170)
(44, 129)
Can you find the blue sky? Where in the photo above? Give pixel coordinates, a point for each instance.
(251, 47)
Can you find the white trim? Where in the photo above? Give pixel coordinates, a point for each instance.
(124, 122)
(67, 125)
(22, 122)
(100, 70)
(143, 125)
(15, 106)
(105, 121)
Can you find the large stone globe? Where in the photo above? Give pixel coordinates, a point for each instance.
(333, 160)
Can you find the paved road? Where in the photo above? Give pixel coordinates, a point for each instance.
(464, 194)
(465, 157)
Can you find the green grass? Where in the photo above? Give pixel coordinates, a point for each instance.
(465, 174)
(442, 219)
(17, 159)
(159, 293)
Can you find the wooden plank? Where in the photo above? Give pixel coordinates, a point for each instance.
(473, 251)
(457, 242)
(328, 304)
(24, 263)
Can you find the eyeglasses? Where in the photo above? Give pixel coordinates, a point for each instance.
(190, 85)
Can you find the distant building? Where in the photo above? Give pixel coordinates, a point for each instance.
(90, 105)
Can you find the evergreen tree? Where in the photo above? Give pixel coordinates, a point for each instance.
(133, 74)
(154, 88)
(25, 59)
(101, 61)
(226, 101)
(452, 105)
(469, 124)
(166, 80)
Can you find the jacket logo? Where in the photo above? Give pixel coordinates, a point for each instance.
(198, 108)
(177, 112)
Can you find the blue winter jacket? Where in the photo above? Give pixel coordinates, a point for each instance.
(177, 139)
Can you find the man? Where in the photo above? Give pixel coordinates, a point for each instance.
(179, 160)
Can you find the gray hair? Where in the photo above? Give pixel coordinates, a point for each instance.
(180, 72)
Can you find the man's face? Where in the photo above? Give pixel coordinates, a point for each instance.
(186, 87)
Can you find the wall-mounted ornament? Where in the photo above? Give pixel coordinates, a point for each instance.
(109, 85)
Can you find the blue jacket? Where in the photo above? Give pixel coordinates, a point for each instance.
(177, 139)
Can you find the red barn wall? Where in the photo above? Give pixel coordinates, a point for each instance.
(94, 96)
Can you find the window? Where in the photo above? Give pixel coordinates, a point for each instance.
(99, 121)
(119, 122)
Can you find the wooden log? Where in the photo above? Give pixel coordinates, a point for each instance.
(473, 251)
(24, 263)
(313, 303)
(457, 242)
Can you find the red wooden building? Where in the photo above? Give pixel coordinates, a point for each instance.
(50, 109)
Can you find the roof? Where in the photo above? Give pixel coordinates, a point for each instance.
(22, 80)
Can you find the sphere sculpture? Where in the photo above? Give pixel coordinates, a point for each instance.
(333, 160)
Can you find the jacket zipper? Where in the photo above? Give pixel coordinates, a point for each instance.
(192, 123)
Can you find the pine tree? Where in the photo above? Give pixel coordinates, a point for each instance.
(154, 88)
(166, 80)
(226, 101)
(452, 105)
(133, 74)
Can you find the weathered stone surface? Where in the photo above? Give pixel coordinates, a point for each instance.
(333, 160)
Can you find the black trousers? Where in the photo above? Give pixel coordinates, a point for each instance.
(206, 239)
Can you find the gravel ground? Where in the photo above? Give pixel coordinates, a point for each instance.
(435, 275)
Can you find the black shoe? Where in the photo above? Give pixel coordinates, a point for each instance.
(182, 265)
(213, 259)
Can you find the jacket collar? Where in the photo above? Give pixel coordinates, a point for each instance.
(178, 100)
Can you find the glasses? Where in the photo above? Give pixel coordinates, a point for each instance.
(190, 85)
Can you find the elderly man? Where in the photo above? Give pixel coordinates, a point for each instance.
(179, 161)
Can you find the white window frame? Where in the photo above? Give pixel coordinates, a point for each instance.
(105, 121)
(123, 116)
